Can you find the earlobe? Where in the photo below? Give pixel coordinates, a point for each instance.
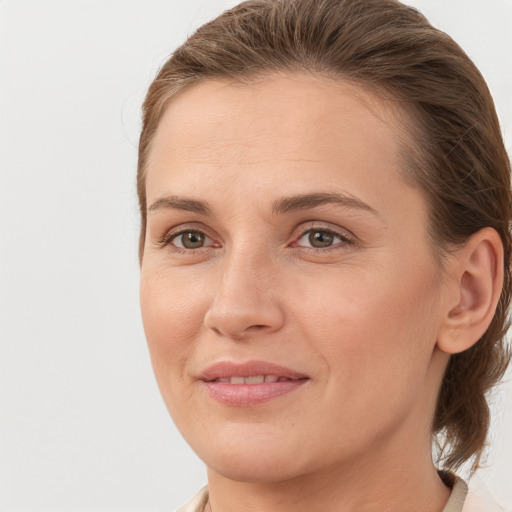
(478, 271)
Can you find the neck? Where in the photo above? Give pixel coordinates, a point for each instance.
(361, 487)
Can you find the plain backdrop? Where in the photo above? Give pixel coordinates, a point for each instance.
(82, 424)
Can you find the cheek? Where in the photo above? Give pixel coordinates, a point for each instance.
(373, 329)
(172, 313)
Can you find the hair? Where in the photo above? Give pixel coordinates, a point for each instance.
(456, 156)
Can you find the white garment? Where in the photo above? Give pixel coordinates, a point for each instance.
(197, 503)
(460, 501)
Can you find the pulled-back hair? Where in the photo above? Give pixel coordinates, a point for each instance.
(456, 154)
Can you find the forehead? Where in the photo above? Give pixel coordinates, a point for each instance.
(241, 148)
(291, 115)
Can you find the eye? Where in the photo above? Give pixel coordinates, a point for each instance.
(321, 239)
(190, 239)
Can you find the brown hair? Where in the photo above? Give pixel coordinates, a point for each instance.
(457, 156)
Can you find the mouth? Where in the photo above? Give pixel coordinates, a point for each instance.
(251, 383)
(253, 379)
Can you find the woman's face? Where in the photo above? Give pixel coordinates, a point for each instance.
(289, 296)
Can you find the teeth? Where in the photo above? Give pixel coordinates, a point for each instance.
(259, 379)
(253, 379)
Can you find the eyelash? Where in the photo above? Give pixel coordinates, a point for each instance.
(172, 235)
(344, 240)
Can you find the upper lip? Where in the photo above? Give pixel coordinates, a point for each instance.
(227, 369)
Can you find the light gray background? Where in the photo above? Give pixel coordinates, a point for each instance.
(82, 425)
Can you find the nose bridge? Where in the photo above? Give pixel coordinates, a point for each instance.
(246, 265)
(244, 301)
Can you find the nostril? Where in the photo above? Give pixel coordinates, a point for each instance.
(238, 321)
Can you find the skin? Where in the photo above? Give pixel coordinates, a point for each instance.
(361, 317)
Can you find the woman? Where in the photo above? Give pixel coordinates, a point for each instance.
(325, 256)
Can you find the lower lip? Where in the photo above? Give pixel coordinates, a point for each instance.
(246, 395)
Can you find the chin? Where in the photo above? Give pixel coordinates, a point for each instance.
(255, 469)
(252, 458)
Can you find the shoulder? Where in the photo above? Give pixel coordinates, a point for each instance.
(197, 503)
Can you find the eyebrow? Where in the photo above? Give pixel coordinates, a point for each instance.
(283, 205)
(307, 201)
(181, 203)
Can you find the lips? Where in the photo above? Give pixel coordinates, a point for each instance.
(253, 379)
(251, 383)
(228, 370)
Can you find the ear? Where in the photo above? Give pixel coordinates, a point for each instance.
(478, 272)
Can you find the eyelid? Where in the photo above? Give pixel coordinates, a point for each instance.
(346, 237)
(178, 235)
(171, 234)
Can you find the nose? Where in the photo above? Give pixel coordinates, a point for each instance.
(245, 302)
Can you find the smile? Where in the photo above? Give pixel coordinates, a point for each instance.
(256, 379)
(251, 383)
